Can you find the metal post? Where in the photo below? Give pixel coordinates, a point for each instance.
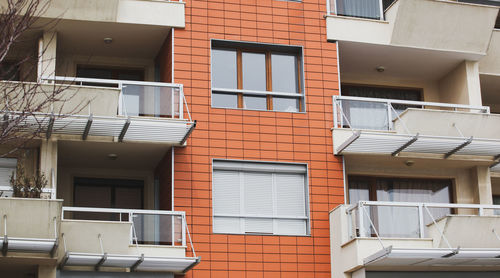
(181, 102)
(361, 219)
(120, 99)
(183, 230)
(389, 116)
(421, 221)
(173, 229)
(381, 6)
(334, 112)
(172, 103)
(481, 211)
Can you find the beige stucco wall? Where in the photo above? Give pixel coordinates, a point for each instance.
(31, 218)
(490, 64)
(461, 85)
(148, 12)
(433, 24)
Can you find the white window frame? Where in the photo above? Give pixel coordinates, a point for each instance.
(307, 216)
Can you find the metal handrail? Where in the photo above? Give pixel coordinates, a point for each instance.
(116, 210)
(131, 214)
(421, 208)
(483, 109)
(338, 118)
(120, 84)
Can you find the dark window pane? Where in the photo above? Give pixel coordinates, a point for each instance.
(224, 69)
(286, 104)
(224, 100)
(254, 102)
(9, 71)
(284, 73)
(254, 71)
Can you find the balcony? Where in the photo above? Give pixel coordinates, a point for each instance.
(139, 240)
(123, 111)
(39, 231)
(434, 24)
(398, 236)
(146, 12)
(421, 129)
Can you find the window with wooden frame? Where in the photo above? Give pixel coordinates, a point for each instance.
(257, 76)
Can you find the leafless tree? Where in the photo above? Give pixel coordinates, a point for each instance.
(26, 108)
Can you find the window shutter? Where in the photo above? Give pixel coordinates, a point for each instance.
(226, 195)
(258, 201)
(290, 189)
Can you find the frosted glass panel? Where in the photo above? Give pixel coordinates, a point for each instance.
(224, 69)
(284, 73)
(254, 71)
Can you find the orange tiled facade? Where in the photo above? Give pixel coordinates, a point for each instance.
(257, 135)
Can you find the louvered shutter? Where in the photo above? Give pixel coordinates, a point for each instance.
(226, 195)
(258, 201)
(290, 191)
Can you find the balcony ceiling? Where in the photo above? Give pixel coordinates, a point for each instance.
(360, 60)
(129, 40)
(78, 154)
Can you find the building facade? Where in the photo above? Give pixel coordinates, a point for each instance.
(249, 138)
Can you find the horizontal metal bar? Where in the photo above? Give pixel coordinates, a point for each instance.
(261, 217)
(255, 92)
(416, 205)
(111, 81)
(134, 211)
(410, 102)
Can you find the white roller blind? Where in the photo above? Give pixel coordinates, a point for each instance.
(251, 197)
(226, 195)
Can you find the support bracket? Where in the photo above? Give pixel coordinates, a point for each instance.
(124, 130)
(406, 145)
(461, 146)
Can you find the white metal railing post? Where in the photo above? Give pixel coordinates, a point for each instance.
(481, 211)
(172, 218)
(172, 102)
(342, 115)
(181, 102)
(328, 7)
(421, 221)
(335, 116)
(389, 115)
(120, 99)
(381, 6)
(361, 227)
(183, 229)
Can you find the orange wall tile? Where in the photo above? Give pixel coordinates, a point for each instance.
(257, 135)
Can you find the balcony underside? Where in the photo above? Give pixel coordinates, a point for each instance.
(380, 143)
(122, 129)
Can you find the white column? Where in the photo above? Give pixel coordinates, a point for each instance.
(47, 50)
(473, 83)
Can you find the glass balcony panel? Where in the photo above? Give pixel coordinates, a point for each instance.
(359, 8)
(150, 101)
(366, 115)
(157, 229)
(395, 221)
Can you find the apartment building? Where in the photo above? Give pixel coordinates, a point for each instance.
(258, 138)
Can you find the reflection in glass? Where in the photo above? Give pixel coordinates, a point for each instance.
(224, 100)
(284, 73)
(255, 102)
(254, 71)
(224, 69)
(285, 104)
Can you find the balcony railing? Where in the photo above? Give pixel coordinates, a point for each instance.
(137, 98)
(149, 227)
(379, 114)
(404, 219)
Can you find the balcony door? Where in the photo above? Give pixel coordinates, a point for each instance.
(107, 193)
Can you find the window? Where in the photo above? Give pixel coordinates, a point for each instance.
(7, 169)
(258, 77)
(9, 70)
(262, 198)
(399, 221)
